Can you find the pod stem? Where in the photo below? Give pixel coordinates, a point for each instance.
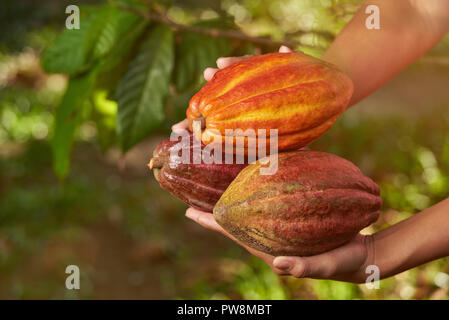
(155, 163)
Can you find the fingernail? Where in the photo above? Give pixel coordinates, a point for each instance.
(189, 214)
(283, 264)
(284, 49)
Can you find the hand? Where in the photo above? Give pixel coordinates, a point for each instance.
(208, 74)
(345, 263)
(227, 61)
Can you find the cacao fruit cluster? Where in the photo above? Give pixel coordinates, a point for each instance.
(314, 201)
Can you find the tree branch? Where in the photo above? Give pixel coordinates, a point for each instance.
(439, 60)
(230, 34)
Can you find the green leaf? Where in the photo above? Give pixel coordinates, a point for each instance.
(68, 53)
(122, 47)
(194, 53)
(115, 63)
(134, 4)
(175, 108)
(116, 25)
(142, 91)
(113, 66)
(104, 115)
(102, 30)
(67, 118)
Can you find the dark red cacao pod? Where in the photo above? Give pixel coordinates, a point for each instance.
(315, 202)
(199, 185)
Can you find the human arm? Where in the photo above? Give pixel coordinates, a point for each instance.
(408, 29)
(372, 57)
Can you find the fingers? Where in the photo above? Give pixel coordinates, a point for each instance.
(180, 126)
(224, 62)
(285, 49)
(207, 220)
(209, 73)
(227, 61)
(303, 266)
(343, 263)
(346, 259)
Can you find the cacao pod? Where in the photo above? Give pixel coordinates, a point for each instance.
(313, 203)
(297, 94)
(198, 185)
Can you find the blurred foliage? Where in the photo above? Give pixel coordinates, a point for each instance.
(114, 223)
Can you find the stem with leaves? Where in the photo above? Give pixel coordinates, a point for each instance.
(162, 17)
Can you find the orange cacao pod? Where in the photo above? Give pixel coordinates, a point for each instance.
(297, 94)
(200, 184)
(313, 203)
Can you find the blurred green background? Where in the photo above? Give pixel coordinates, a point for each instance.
(129, 237)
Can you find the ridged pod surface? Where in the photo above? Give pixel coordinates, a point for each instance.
(297, 94)
(198, 185)
(313, 203)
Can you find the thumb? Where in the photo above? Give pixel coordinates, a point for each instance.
(304, 267)
(180, 127)
(347, 259)
(285, 49)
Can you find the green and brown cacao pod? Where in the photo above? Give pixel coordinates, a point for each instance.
(297, 94)
(199, 185)
(313, 203)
